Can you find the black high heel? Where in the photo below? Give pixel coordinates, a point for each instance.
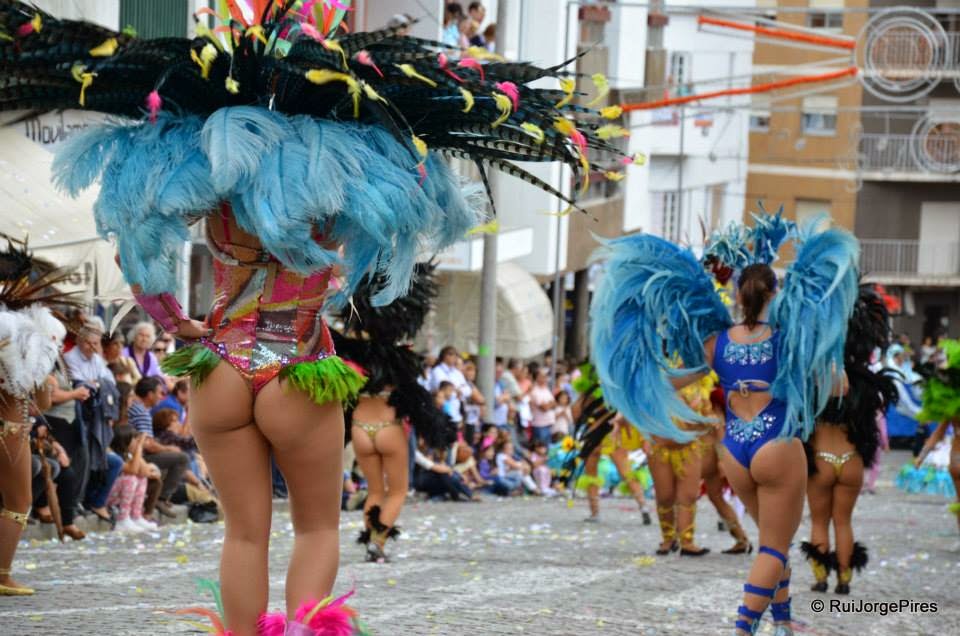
(739, 548)
(665, 551)
(694, 553)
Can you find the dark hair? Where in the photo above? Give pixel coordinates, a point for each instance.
(444, 353)
(475, 5)
(444, 385)
(163, 419)
(147, 386)
(124, 389)
(181, 385)
(454, 9)
(122, 437)
(757, 282)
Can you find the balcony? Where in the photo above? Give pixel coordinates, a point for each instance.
(932, 155)
(914, 263)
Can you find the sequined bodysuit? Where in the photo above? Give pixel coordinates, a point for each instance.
(265, 316)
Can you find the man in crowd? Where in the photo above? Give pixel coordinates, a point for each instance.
(84, 360)
(176, 400)
(447, 371)
(171, 461)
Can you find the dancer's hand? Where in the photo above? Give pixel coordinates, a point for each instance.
(193, 330)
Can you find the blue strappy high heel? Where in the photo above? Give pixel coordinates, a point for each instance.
(750, 626)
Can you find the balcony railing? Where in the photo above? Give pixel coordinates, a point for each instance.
(910, 258)
(930, 154)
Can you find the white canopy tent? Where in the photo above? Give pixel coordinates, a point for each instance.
(60, 229)
(524, 314)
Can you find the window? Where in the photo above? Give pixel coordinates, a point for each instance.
(671, 216)
(819, 115)
(759, 113)
(807, 209)
(153, 19)
(680, 71)
(827, 20)
(826, 15)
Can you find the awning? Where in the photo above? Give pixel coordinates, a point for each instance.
(60, 229)
(524, 314)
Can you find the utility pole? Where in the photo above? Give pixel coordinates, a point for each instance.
(487, 337)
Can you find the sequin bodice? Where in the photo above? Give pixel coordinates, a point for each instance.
(264, 316)
(746, 366)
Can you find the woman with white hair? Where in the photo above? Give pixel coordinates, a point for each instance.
(141, 338)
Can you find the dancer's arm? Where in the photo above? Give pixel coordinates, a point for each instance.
(166, 310)
(708, 347)
(932, 441)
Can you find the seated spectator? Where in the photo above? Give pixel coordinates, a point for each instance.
(46, 449)
(129, 491)
(84, 361)
(141, 339)
(171, 461)
(513, 471)
(123, 367)
(177, 400)
(437, 479)
(541, 472)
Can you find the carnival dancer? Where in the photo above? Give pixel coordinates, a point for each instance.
(656, 303)
(714, 482)
(602, 432)
(305, 153)
(374, 339)
(30, 341)
(844, 443)
(675, 467)
(948, 466)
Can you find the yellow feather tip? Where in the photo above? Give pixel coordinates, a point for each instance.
(611, 112)
(467, 100)
(534, 131)
(409, 71)
(232, 85)
(37, 22)
(564, 126)
(614, 176)
(493, 227)
(612, 131)
(505, 104)
(639, 159)
(420, 145)
(603, 88)
(480, 53)
(107, 48)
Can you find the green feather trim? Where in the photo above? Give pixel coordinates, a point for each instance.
(193, 360)
(327, 380)
(941, 402)
(214, 588)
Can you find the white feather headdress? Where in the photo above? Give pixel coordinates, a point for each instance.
(30, 341)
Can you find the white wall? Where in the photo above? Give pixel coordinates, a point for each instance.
(103, 12)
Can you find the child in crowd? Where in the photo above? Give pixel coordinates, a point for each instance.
(541, 472)
(130, 488)
(513, 471)
(563, 416)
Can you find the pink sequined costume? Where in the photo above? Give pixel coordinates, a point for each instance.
(266, 320)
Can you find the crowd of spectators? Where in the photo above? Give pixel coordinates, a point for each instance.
(116, 443)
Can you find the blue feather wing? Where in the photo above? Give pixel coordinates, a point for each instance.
(654, 297)
(811, 313)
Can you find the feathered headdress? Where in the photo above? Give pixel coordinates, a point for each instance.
(30, 335)
(735, 247)
(300, 130)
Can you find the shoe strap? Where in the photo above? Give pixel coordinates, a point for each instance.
(768, 592)
(774, 553)
(781, 611)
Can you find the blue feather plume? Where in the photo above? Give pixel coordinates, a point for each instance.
(654, 297)
(768, 233)
(811, 313)
(287, 179)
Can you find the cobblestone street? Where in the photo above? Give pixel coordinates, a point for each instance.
(505, 567)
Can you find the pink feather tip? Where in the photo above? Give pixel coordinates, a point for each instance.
(311, 31)
(510, 90)
(577, 138)
(25, 29)
(154, 104)
(274, 624)
(334, 619)
(366, 59)
(469, 62)
(444, 63)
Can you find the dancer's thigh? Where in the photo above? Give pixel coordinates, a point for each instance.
(740, 480)
(370, 463)
(391, 444)
(780, 471)
(235, 452)
(307, 440)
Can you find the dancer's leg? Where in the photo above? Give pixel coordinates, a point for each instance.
(392, 447)
(15, 484)
(779, 470)
(845, 495)
(372, 466)
(593, 491)
(688, 491)
(713, 481)
(238, 457)
(955, 470)
(621, 459)
(307, 440)
(741, 481)
(665, 492)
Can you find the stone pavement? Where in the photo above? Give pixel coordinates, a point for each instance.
(524, 566)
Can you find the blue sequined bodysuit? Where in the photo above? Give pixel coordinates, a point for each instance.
(743, 368)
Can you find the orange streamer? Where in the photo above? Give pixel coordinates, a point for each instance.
(783, 34)
(759, 88)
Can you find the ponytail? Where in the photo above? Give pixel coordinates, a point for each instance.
(757, 283)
